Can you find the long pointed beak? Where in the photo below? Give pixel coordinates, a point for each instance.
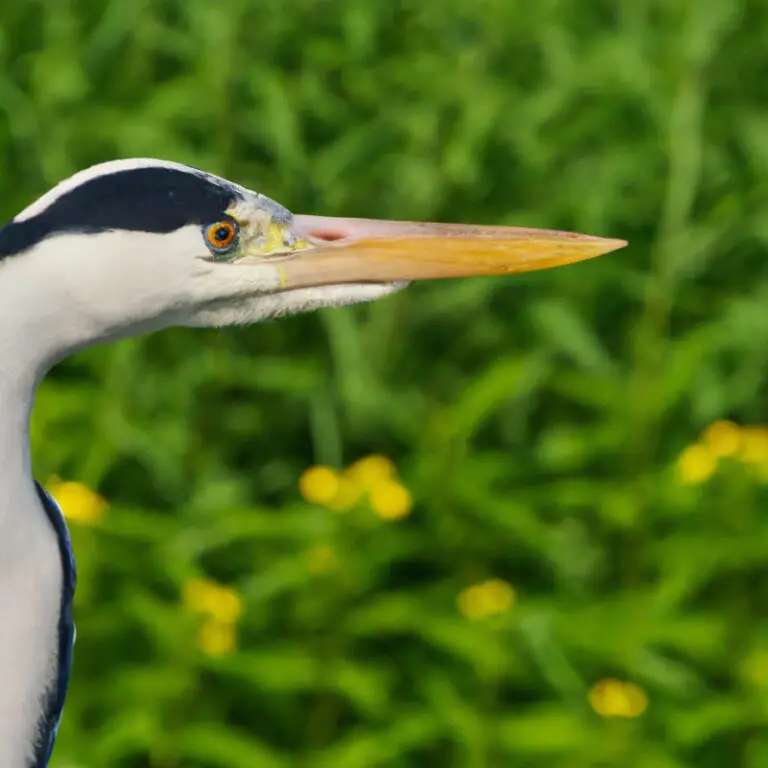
(341, 250)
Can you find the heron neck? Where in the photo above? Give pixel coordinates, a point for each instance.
(30, 563)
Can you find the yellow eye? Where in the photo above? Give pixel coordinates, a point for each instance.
(221, 236)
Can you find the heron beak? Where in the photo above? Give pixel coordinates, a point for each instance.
(342, 250)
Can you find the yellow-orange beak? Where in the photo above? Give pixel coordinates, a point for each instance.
(342, 250)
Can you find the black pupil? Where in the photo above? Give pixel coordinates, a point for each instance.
(222, 234)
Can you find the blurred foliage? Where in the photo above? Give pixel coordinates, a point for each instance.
(541, 426)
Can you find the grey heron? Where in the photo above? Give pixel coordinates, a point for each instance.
(133, 246)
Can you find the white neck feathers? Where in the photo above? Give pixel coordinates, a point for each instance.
(30, 564)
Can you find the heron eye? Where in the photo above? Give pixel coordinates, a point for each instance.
(221, 236)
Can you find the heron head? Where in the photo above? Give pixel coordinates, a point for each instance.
(134, 245)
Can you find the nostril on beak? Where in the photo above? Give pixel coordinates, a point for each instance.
(327, 235)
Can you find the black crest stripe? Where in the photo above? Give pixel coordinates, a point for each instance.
(146, 199)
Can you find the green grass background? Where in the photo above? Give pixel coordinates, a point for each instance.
(536, 420)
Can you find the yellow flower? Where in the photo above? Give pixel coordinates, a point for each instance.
(216, 601)
(723, 438)
(319, 485)
(78, 502)
(754, 445)
(347, 495)
(216, 638)
(375, 476)
(755, 669)
(370, 471)
(489, 598)
(696, 464)
(501, 595)
(322, 559)
(390, 500)
(221, 608)
(473, 603)
(615, 698)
